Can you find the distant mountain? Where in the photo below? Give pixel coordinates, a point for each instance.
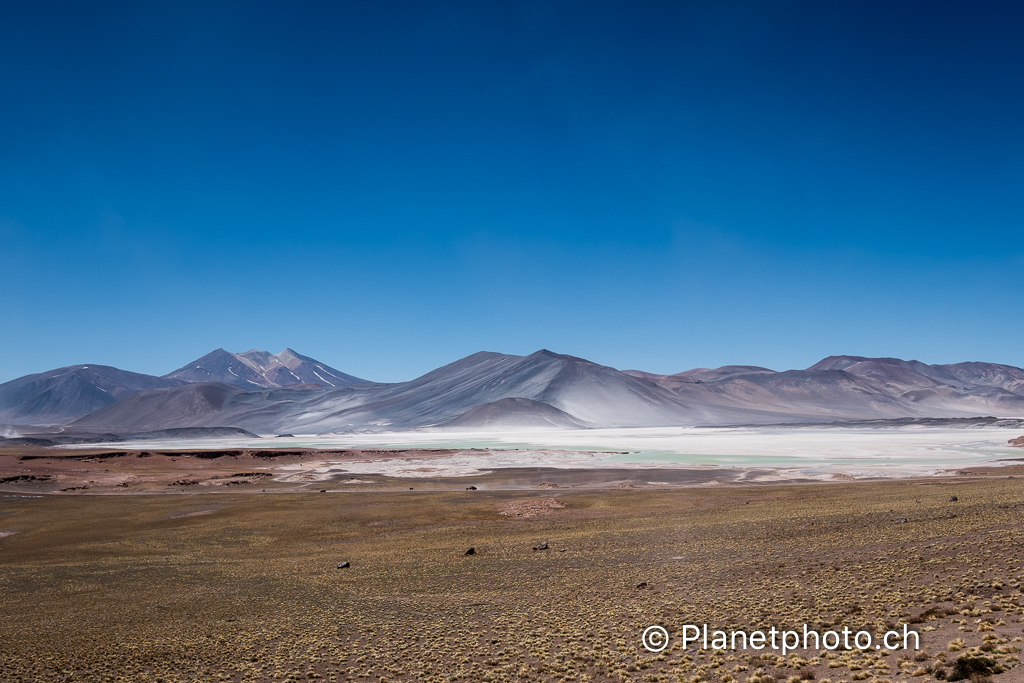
(547, 390)
(857, 387)
(166, 408)
(585, 391)
(956, 374)
(259, 369)
(61, 395)
(577, 391)
(698, 375)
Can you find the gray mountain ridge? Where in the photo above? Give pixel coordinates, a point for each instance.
(561, 391)
(60, 396)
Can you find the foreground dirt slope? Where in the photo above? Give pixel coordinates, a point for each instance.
(245, 587)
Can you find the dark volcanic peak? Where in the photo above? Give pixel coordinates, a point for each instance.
(61, 395)
(257, 369)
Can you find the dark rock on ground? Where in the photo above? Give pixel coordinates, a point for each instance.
(24, 477)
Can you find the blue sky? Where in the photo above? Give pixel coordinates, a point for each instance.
(390, 186)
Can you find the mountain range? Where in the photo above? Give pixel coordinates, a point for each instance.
(62, 395)
(288, 392)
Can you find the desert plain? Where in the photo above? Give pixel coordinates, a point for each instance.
(222, 564)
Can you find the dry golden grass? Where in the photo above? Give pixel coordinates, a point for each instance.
(138, 588)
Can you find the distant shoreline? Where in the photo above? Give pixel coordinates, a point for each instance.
(591, 459)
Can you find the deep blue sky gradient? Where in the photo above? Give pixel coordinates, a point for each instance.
(389, 186)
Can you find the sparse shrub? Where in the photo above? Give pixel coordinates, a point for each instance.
(969, 667)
